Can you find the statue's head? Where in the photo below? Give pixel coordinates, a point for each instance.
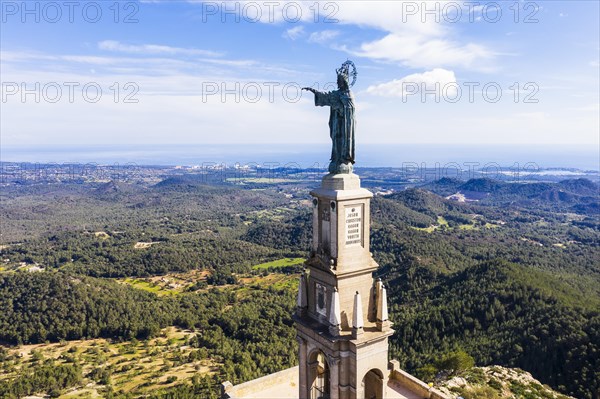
(342, 82)
(344, 74)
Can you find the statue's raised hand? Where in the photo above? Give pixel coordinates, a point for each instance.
(309, 89)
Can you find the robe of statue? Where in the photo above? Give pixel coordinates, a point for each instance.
(341, 125)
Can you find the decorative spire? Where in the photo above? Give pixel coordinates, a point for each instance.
(382, 309)
(302, 299)
(357, 316)
(334, 313)
(378, 285)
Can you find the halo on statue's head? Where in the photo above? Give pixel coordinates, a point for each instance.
(348, 73)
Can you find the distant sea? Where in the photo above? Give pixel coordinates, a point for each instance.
(315, 155)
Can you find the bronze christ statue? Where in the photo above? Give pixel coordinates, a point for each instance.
(341, 119)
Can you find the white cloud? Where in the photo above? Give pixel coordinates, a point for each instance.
(414, 39)
(90, 59)
(438, 79)
(21, 56)
(323, 36)
(26, 65)
(171, 106)
(417, 41)
(171, 102)
(113, 45)
(388, 16)
(588, 108)
(183, 119)
(423, 52)
(294, 33)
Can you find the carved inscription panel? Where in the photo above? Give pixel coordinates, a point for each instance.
(354, 225)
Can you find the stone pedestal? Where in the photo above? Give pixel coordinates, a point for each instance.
(341, 182)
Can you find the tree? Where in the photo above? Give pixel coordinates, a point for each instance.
(456, 362)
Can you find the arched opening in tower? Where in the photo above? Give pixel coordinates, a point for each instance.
(319, 373)
(373, 383)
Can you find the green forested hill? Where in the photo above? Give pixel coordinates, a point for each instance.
(512, 286)
(575, 195)
(513, 278)
(173, 207)
(248, 335)
(500, 315)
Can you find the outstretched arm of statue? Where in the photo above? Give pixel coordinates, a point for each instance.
(322, 99)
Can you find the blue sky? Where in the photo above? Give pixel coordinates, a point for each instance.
(174, 58)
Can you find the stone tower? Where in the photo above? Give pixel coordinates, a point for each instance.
(341, 318)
